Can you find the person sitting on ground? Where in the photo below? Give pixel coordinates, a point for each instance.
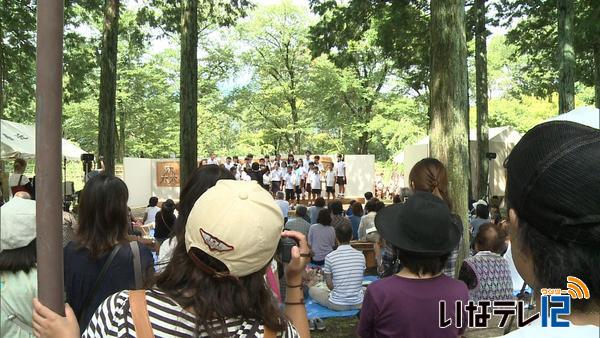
(367, 230)
(421, 233)
(337, 214)
(298, 222)
(482, 216)
(553, 238)
(349, 210)
(283, 205)
(343, 271)
(102, 241)
(357, 213)
(165, 221)
(487, 274)
(151, 210)
(214, 285)
(18, 271)
(315, 209)
(321, 237)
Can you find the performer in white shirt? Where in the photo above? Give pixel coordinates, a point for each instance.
(340, 173)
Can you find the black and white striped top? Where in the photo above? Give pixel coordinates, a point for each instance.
(168, 319)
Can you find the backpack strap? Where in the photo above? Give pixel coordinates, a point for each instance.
(97, 283)
(139, 314)
(137, 265)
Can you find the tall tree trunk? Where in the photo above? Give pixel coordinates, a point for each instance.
(188, 102)
(108, 86)
(121, 152)
(2, 70)
(481, 93)
(597, 72)
(566, 81)
(449, 105)
(296, 136)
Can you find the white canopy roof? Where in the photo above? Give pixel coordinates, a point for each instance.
(18, 141)
(589, 116)
(499, 134)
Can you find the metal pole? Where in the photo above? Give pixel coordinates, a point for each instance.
(48, 153)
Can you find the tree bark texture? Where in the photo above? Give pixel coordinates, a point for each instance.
(449, 105)
(566, 81)
(188, 102)
(481, 94)
(108, 86)
(597, 73)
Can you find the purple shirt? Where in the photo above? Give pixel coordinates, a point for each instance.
(403, 307)
(321, 239)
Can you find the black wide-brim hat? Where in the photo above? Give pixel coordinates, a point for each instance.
(422, 225)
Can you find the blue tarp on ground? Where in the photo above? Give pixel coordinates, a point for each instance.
(314, 310)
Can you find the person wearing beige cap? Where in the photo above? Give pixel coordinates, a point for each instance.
(18, 272)
(214, 284)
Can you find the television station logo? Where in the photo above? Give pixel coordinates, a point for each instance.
(553, 303)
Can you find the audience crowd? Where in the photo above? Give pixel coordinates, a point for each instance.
(238, 258)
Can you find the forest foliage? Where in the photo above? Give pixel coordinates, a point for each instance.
(350, 78)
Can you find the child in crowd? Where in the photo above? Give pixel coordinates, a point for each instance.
(267, 179)
(318, 163)
(330, 181)
(299, 171)
(275, 178)
(340, 173)
(315, 182)
(289, 179)
(308, 187)
(422, 234)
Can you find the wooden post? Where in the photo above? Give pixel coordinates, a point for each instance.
(48, 153)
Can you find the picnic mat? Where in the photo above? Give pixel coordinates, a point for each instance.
(314, 310)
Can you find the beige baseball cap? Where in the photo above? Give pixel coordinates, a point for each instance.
(237, 223)
(17, 224)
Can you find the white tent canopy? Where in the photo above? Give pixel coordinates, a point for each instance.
(18, 141)
(501, 142)
(588, 116)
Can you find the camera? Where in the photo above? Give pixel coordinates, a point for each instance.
(490, 156)
(285, 248)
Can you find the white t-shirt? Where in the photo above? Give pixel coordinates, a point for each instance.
(245, 177)
(290, 180)
(211, 161)
(228, 166)
(284, 206)
(330, 178)
(306, 162)
(321, 167)
(13, 180)
(266, 179)
(165, 253)
(517, 280)
(315, 180)
(276, 175)
(340, 169)
(535, 329)
(300, 174)
(151, 211)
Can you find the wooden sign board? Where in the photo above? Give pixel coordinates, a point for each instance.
(167, 174)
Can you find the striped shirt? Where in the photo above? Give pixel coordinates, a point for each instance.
(168, 319)
(347, 266)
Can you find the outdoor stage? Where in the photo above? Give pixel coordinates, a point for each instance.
(160, 177)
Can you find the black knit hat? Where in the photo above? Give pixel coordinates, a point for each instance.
(422, 225)
(553, 181)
